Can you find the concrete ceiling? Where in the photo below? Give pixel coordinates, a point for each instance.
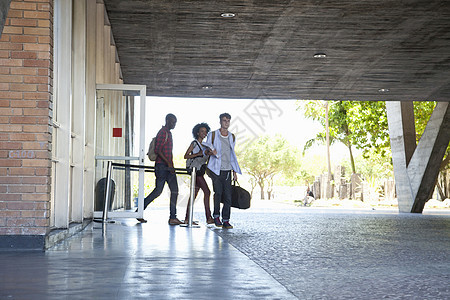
(375, 49)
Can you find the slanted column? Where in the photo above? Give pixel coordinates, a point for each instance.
(416, 168)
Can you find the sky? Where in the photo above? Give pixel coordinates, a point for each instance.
(249, 119)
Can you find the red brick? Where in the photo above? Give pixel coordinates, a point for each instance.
(36, 63)
(12, 30)
(23, 87)
(35, 197)
(22, 171)
(44, 23)
(11, 128)
(10, 95)
(24, 39)
(24, 71)
(10, 214)
(43, 171)
(35, 31)
(45, 40)
(43, 104)
(22, 189)
(36, 15)
(4, 153)
(5, 38)
(35, 145)
(37, 163)
(22, 5)
(4, 86)
(10, 62)
(3, 188)
(11, 46)
(23, 22)
(10, 197)
(34, 214)
(34, 128)
(44, 88)
(13, 180)
(17, 222)
(4, 54)
(43, 72)
(36, 79)
(33, 180)
(4, 70)
(3, 172)
(24, 54)
(4, 103)
(35, 111)
(14, 13)
(23, 103)
(23, 136)
(10, 145)
(4, 120)
(11, 162)
(11, 78)
(23, 120)
(36, 47)
(45, 154)
(41, 222)
(4, 136)
(42, 189)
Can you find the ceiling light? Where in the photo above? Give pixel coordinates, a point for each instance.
(320, 55)
(206, 87)
(383, 90)
(228, 15)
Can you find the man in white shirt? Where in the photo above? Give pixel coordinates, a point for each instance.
(222, 165)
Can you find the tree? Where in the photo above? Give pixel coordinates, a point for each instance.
(267, 157)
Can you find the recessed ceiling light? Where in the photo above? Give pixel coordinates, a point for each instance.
(320, 55)
(228, 15)
(383, 90)
(206, 87)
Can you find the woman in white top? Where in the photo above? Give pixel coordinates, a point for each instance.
(196, 149)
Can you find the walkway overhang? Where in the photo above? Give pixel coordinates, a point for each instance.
(330, 49)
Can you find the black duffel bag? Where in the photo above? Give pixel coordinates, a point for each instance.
(240, 198)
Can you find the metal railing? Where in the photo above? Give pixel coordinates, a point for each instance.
(179, 171)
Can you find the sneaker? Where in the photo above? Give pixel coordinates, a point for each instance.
(227, 225)
(174, 222)
(217, 222)
(210, 221)
(142, 220)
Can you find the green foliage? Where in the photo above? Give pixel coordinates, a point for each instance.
(268, 157)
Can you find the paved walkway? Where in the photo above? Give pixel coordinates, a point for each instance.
(274, 252)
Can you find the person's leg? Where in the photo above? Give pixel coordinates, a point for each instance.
(173, 186)
(201, 182)
(217, 187)
(189, 201)
(160, 174)
(226, 209)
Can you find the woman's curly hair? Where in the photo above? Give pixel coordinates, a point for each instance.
(197, 127)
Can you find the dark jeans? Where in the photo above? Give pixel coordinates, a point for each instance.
(163, 175)
(222, 189)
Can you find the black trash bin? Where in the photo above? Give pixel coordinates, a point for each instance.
(100, 193)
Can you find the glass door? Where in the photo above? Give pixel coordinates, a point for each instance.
(120, 138)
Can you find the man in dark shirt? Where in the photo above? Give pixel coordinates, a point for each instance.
(164, 170)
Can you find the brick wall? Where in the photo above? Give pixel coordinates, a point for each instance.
(25, 118)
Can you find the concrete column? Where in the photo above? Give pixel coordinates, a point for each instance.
(415, 180)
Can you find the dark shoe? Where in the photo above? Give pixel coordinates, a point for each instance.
(174, 222)
(193, 222)
(217, 222)
(210, 221)
(227, 225)
(141, 220)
